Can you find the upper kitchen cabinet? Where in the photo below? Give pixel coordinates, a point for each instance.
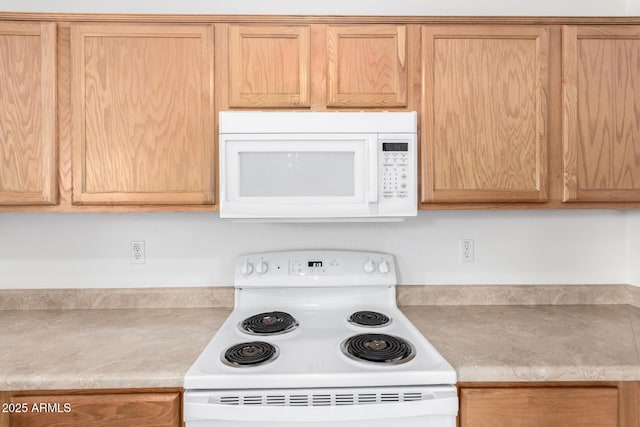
(316, 66)
(269, 66)
(367, 66)
(484, 131)
(601, 118)
(142, 114)
(28, 114)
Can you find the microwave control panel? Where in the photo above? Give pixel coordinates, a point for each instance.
(396, 170)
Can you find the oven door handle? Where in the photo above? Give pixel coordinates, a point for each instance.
(194, 411)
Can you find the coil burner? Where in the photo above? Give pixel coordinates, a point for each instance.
(250, 354)
(378, 348)
(269, 323)
(371, 319)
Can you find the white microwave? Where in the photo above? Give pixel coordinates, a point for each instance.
(318, 166)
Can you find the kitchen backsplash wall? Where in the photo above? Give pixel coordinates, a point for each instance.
(633, 248)
(335, 7)
(198, 249)
(511, 247)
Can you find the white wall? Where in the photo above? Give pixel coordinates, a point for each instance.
(334, 7)
(198, 249)
(92, 250)
(633, 247)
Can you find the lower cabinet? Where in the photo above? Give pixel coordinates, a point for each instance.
(136, 409)
(541, 405)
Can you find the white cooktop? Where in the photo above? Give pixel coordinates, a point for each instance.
(310, 356)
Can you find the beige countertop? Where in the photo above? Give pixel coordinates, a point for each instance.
(534, 342)
(46, 346)
(102, 348)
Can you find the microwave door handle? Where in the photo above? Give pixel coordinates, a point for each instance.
(372, 196)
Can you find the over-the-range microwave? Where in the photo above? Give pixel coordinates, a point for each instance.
(318, 166)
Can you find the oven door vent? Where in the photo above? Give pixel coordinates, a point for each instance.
(324, 398)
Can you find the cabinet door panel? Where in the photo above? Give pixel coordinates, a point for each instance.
(269, 66)
(142, 114)
(367, 66)
(27, 114)
(100, 410)
(601, 90)
(539, 407)
(485, 128)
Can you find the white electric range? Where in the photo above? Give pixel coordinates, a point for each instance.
(316, 339)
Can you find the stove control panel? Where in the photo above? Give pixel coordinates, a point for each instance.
(312, 267)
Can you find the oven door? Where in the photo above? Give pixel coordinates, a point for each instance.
(437, 408)
(298, 175)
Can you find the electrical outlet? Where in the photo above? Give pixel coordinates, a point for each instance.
(137, 252)
(466, 250)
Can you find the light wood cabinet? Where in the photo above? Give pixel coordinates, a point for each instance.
(142, 114)
(484, 134)
(601, 117)
(269, 66)
(98, 410)
(27, 114)
(315, 66)
(540, 407)
(367, 66)
(114, 115)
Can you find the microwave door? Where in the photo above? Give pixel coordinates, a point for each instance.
(299, 176)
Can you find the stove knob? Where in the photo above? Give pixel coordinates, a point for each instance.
(383, 267)
(246, 268)
(369, 266)
(262, 267)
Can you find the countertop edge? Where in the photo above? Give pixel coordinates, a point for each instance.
(543, 374)
(90, 383)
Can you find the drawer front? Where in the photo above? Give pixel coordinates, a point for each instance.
(539, 407)
(98, 410)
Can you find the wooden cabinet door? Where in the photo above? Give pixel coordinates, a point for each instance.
(99, 410)
(484, 134)
(142, 115)
(269, 66)
(601, 118)
(367, 66)
(539, 407)
(27, 114)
